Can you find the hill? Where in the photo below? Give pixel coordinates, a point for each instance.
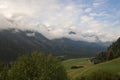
(113, 51)
(111, 67)
(73, 73)
(15, 42)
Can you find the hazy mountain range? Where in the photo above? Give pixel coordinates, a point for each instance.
(15, 42)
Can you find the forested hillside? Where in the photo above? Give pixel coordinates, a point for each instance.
(113, 51)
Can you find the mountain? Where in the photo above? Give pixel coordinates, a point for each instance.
(113, 51)
(15, 42)
(77, 48)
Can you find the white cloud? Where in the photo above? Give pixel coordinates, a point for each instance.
(4, 22)
(55, 20)
(98, 3)
(85, 19)
(88, 10)
(98, 14)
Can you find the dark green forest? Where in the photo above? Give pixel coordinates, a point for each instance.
(112, 52)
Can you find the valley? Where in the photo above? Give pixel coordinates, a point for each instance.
(59, 39)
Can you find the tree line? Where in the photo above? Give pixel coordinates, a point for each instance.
(113, 51)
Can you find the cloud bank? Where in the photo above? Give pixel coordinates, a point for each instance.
(89, 20)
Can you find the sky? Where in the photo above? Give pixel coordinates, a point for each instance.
(87, 20)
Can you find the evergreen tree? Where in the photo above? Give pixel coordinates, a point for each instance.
(3, 71)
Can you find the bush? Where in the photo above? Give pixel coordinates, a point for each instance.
(37, 67)
(77, 67)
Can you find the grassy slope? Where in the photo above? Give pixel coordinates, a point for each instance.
(110, 66)
(73, 73)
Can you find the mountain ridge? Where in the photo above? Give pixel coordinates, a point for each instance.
(17, 42)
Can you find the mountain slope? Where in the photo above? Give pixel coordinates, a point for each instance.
(111, 67)
(113, 51)
(77, 48)
(14, 42)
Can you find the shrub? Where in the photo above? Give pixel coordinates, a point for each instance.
(37, 67)
(77, 67)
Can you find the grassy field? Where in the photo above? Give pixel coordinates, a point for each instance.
(73, 73)
(112, 66)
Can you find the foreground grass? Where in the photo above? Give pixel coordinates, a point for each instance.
(73, 73)
(112, 66)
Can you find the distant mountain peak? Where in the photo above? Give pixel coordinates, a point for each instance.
(71, 32)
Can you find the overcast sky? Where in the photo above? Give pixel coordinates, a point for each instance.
(88, 20)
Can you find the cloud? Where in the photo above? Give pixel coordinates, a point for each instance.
(88, 10)
(98, 3)
(98, 14)
(4, 23)
(55, 19)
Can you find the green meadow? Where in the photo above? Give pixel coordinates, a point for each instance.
(89, 68)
